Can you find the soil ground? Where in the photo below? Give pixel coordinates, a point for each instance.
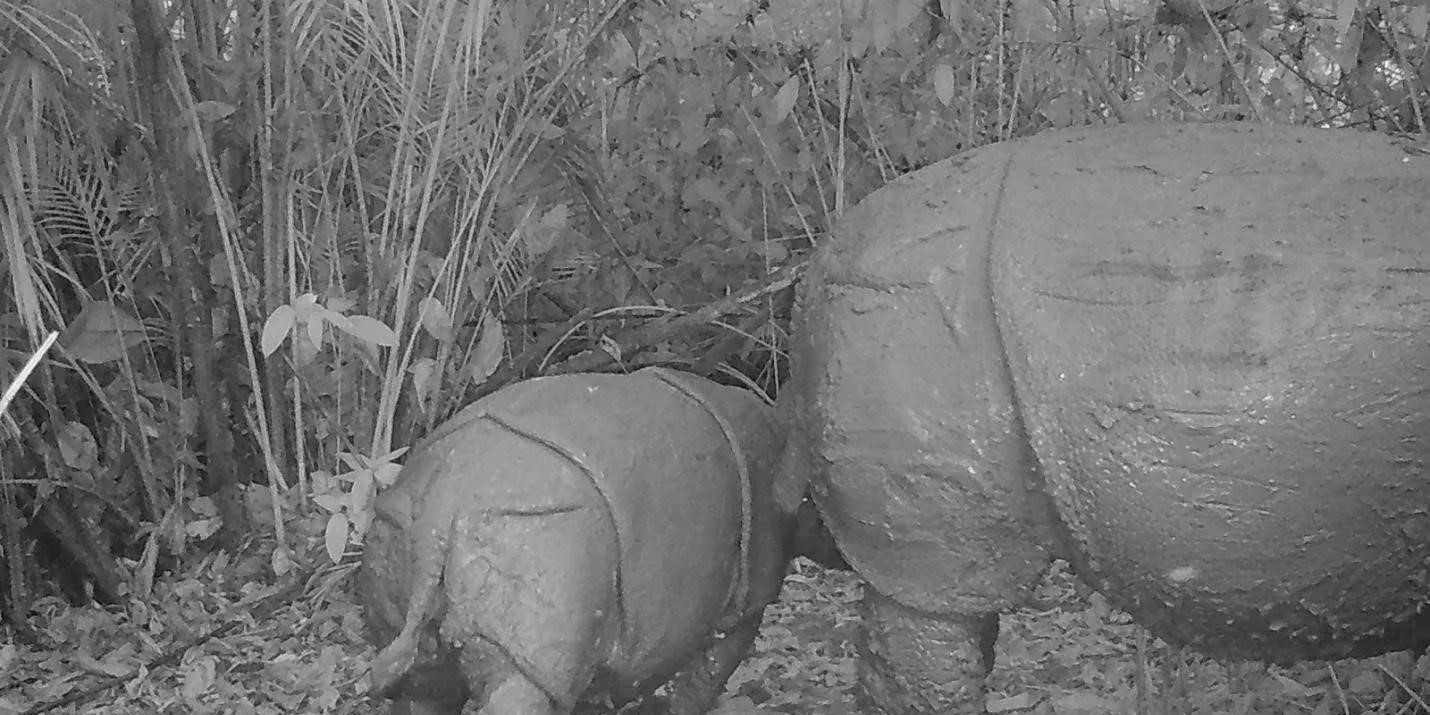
(1070, 655)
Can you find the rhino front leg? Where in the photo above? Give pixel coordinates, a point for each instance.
(916, 662)
(511, 693)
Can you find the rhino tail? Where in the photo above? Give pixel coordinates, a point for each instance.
(396, 658)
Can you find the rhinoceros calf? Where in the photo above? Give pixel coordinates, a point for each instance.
(1193, 360)
(575, 536)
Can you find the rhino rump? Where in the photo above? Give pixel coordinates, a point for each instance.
(600, 552)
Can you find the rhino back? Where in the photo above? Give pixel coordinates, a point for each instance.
(517, 545)
(1220, 341)
(1205, 346)
(665, 476)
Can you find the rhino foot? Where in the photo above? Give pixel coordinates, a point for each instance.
(394, 661)
(916, 662)
(514, 695)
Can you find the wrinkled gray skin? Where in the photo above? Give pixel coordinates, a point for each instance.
(581, 536)
(1193, 360)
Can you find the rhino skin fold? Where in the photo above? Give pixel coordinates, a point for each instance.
(576, 536)
(1193, 360)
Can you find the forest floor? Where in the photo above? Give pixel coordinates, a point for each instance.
(1071, 655)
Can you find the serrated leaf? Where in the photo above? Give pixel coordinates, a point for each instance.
(370, 329)
(276, 328)
(435, 320)
(335, 537)
(490, 348)
(785, 98)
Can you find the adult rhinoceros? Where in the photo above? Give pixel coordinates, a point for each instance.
(1193, 360)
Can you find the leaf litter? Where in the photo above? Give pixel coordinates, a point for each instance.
(1070, 653)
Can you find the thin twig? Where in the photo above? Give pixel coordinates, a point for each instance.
(1408, 690)
(531, 362)
(1231, 63)
(30, 365)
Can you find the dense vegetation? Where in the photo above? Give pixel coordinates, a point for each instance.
(280, 239)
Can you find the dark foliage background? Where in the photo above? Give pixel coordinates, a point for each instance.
(278, 240)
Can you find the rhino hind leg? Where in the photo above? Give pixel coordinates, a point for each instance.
(532, 608)
(435, 688)
(501, 687)
(695, 688)
(916, 662)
